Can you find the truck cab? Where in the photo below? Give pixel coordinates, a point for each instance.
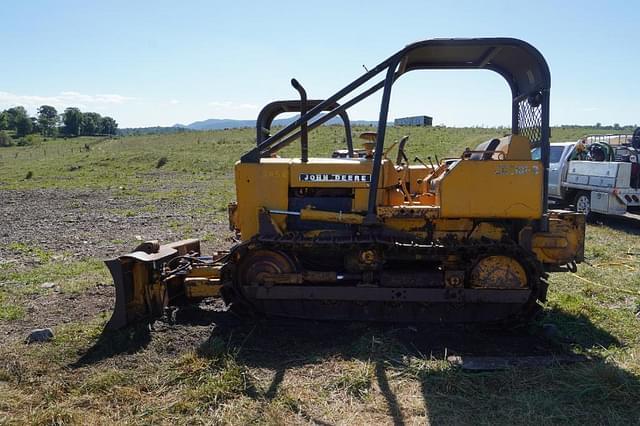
(559, 155)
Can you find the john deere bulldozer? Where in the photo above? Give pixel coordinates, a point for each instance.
(361, 236)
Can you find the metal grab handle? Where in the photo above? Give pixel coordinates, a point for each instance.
(401, 154)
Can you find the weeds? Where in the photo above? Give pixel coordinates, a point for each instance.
(10, 311)
(71, 276)
(215, 387)
(355, 381)
(43, 256)
(161, 162)
(104, 381)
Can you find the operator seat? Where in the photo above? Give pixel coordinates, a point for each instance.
(511, 147)
(488, 148)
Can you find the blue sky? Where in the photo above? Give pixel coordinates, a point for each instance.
(157, 62)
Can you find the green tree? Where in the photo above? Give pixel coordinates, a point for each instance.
(23, 125)
(5, 139)
(91, 123)
(4, 120)
(35, 125)
(72, 119)
(15, 115)
(108, 126)
(48, 120)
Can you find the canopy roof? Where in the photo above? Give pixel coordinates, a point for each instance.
(518, 62)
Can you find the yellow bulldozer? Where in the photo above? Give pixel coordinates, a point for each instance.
(360, 236)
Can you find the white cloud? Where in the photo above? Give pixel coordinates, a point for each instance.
(95, 99)
(174, 102)
(63, 100)
(231, 105)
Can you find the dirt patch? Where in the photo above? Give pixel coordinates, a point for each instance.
(85, 224)
(94, 223)
(54, 309)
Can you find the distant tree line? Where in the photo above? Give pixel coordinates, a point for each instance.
(138, 131)
(614, 126)
(71, 123)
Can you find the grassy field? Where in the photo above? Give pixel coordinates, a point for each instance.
(210, 368)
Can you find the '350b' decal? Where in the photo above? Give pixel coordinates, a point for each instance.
(334, 177)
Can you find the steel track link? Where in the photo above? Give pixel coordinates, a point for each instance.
(242, 304)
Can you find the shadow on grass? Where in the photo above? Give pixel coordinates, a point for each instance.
(630, 225)
(116, 342)
(594, 391)
(554, 393)
(137, 337)
(393, 407)
(587, 393)
(591, 392)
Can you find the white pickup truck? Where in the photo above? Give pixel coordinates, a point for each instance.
(606, 187)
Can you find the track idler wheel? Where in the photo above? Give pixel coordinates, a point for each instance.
(260, 263)
(498, 272)
(515, 271)
(251, 270)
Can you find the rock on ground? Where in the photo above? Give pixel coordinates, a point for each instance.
(39, 335)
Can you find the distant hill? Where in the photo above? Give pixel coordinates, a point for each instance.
(217, 123)
(223, 123)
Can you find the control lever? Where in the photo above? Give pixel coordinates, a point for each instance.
(401, 154)
(420, 161)
(431, 162)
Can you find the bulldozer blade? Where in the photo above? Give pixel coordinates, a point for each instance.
(119, 316)
(139, 293)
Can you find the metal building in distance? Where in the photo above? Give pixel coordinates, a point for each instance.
(419, 120)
